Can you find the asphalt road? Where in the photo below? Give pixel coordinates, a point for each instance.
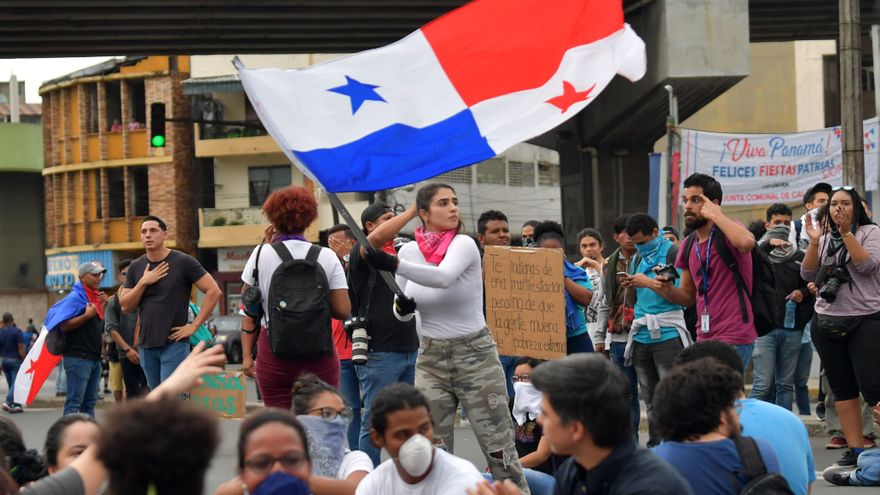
(35, 422)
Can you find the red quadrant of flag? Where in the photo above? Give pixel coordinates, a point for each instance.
(490, 48)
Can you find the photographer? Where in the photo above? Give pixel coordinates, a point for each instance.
(843, 258)
(658, 332)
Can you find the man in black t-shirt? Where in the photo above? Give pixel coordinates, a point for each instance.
(83, 336)
(159, 284)
(393, 343)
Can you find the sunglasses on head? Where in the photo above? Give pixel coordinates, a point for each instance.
(842, 188)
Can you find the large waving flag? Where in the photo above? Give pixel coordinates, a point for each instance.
(460, 90)
(46, 352)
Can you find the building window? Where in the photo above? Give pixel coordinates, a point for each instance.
(264, 180)
(548, 174)
(92, 105)
(99, 211)
(140, 191)
(116, 192)
(491, 171)
(462, 175)
(137, 104)
(113, 107)
(521, 174)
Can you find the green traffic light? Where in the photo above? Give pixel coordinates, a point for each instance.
(158, 141)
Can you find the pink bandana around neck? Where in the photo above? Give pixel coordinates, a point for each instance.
(433, 245)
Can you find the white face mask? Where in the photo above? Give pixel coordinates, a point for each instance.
(415, 455)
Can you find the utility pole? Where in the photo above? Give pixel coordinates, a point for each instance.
(671, 148)
(850, 54)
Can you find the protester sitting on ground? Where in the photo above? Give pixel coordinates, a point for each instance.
(401, 423)
(763, 420)
(7, 484)
(578, 290)
(291, 210)
(867, 472)
(585, 414)
(25, 465)
(695, 414)
(458, 360)
(130, 453)
(67, 438)
(843, 259)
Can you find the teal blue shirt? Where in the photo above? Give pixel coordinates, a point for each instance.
(649, 302)
(574, 332)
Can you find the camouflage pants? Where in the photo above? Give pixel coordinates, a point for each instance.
(467, 370)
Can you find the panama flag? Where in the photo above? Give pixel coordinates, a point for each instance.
(45, 355)
(460, 90)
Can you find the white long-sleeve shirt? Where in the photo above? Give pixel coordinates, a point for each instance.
(449, 297)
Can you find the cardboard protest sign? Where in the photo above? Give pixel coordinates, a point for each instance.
(525, 302)
(223, 394)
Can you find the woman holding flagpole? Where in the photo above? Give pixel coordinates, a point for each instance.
(458, 361)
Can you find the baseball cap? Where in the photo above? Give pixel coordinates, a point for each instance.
(374, 211)
(92, 267)
(819, 187)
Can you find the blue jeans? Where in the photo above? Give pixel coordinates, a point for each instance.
(382, 369)
(579, 343)
(745, 353)
(616, 350)
(868, 472)
(776, 357)
(159, 362)
(83, 384)
(802, 376)
(60, 380)
(350, 389)
(540, 483)
(508, 364)
(10, 369)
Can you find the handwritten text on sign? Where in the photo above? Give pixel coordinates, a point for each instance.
(223, 394)
(525, 302)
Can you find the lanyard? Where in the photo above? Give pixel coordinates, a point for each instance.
(704, 268)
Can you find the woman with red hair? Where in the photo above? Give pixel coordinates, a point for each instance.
(290, 211)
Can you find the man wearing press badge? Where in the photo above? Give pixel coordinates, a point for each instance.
(843, 259)
(723, 312)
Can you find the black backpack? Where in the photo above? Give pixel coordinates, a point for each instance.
(299, 306)
(757, 480)
(763, 295)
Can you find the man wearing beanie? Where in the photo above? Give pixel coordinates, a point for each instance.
(776, 354)
(393, 344)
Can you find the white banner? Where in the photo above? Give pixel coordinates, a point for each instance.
(773, 168)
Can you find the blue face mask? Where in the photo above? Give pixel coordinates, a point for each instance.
(649, 250)
(281, 483)
(327, 443)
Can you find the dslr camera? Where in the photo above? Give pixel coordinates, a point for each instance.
(833, 281)
(666, 273)
(356, 327)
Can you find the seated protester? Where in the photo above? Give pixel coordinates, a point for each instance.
(7, 484)
(763, 420)
(25, 465)
(578, 289)
(539, 464)
(585, 414)
(67, 438)
(131, 458)
(400, 422)
(867, 472)
(695, 414)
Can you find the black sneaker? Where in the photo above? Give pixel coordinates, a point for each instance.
(839, 476)
(847, 459)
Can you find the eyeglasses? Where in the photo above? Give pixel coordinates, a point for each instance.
(329, 414)
(522, 378)
(262, 464)
(842, 188)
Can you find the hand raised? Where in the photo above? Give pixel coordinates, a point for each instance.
(709, 210)
(150, 277)
(813, 231)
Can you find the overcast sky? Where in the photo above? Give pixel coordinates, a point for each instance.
(36, 70)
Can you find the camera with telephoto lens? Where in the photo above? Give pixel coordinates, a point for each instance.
(252, 301)
(356, 327)
(832, 284)
(666, 273)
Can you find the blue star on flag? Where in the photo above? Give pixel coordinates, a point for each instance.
(358, 92)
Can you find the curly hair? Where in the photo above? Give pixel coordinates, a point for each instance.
(291, 210)
(167, 444)
(689, 401)
(25, 465)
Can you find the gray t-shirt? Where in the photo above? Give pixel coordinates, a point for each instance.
(124, 323)
(164, 304)
(64, 482)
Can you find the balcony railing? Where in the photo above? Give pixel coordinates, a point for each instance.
(222, 217)
(232, 131)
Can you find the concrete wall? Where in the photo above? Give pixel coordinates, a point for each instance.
(231, 177)
(809, 57)
(22, 230)
(27, 303)
(221, 65)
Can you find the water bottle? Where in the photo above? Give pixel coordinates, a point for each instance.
(790, 307)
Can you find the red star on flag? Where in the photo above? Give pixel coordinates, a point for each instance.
(569, 96)
(32, 368)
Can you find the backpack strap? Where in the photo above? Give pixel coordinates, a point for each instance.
(750, 458)
(727, 257)
(256, 272)
(313, 253)
(282, 251)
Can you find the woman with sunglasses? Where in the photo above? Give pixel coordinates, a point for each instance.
(843, 259)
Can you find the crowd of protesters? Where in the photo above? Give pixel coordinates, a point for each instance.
(363, 347)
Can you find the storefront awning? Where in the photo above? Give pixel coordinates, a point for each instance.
(217, 84)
